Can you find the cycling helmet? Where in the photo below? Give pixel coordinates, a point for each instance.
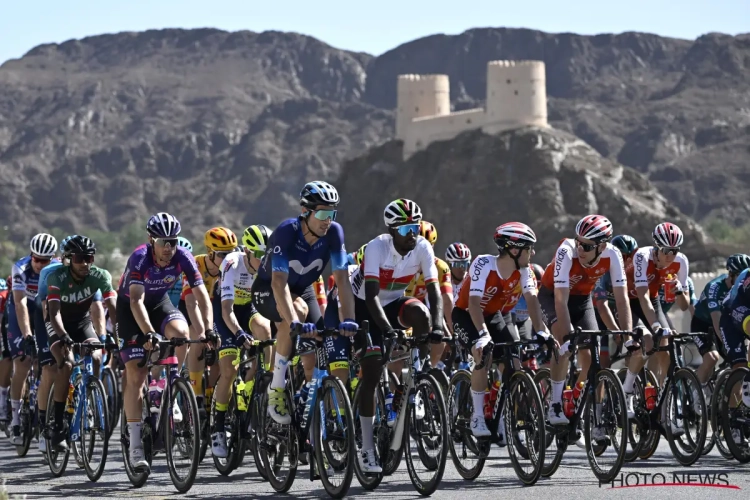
(514, 235)
(427, 231)
(737, 263)
(255, 238)
(359, 255)
(3, 284)
(220, 239)
(163, 225)
(185, 243)
(457, 252)
(66, 240)
(400, 212)
(79, 245)
(318, 193)
(538, 271)
(625, 244)
(667, 235)
(596, 228)
(43, 245)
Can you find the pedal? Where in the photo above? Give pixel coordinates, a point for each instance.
(484, 447)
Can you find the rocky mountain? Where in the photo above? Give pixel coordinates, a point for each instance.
(224, 127)
(471, 184)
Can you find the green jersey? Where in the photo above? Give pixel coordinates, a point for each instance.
(75, 297)
(711, 298)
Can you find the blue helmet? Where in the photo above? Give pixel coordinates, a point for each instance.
(3, 284)
(185, 243)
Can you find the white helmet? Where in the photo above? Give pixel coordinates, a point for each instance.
(43, 245)
(402, 211)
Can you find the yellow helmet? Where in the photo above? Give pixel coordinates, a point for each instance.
(359, 256)
(427, 231)
(255, 238)
(220, 239)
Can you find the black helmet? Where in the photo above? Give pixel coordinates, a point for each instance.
(625, 244)
(538, 271)
(737, 263)
(79, 245)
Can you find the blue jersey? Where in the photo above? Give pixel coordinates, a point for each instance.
(521, 310)
(288, 252)
(739, 295)
(42, 290)
(603, 289)
(25, 280)
(175, 293)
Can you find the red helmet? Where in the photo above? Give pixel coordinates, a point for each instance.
(667, 235)
(457, 252)
(595, 228)
(514, 235)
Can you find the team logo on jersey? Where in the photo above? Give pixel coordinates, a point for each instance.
(298, 268)
(639, 265)
(169, 279)
(478, 266)
(562, 253)
(575, 279)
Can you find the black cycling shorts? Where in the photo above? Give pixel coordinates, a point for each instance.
(160, 314)
(393, 312)
(500, 326)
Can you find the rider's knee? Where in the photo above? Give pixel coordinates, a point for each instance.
(300, 307)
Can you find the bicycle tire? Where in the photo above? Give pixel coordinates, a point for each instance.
(180, 386)
(634, 444)
(459, 397)
(291, 443)
(690, 457)
(716, 424)
(381, 436)
(552, 461)
(334, 385)
(737, 377)
(95, 390)
(523, 382)
(111, 394)
(137, 478)
(227, 465)
(52, 454)
(429, 487)
(621, 420)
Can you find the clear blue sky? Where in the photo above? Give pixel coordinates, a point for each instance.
(372, 26)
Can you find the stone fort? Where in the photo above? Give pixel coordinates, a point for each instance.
(516, 97)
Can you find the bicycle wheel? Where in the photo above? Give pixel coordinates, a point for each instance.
(57, 460)
(686, 412)
(381, 435)
(182, 437)
(463, 445)
(426, 421)
(638, 427)
(733, 418)
(94, 423)
(651, 444)
(27, 423)
(258, 403)
(556, 442)
(525, 428)
(391, 459)
(137, 477)
(205, 426)
(716, 422)
(710, 436)
(225, 466)
(279, 446)
(334, 437)
(611, 418)
(109, 382)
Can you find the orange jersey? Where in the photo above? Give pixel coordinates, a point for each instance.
(320, 291)
(209, 280)
(498, 294)
(566, 270)
(644, 272)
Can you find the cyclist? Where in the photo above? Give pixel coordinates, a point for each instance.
(390, 263)
(418, 290)
(235, 316)
(21, 314)
(520, 313)
(6, 365)
(219, 242)
(175, 293)
(143, 305)
(708, 315)
(298, 251)
(48, 367)
(71, 290)
(565, 296)
(491, 290)
(458, 257)
(653, 267)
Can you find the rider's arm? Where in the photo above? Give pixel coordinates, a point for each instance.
(98, 319)
(195, 280)
(640, 271)
(226, 284)
(340, 269)
(53, 304)
(430, 273)
(110, 303)
(528, 287)
(563, 263)
(479, 270)
(280, 272)
(138, 308)
(683, 298)
(602, 303)
(714, 304)
(619, 287)
(19, 301)
(446, 290)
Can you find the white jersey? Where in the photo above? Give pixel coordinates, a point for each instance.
(393, 271)
(236, 280)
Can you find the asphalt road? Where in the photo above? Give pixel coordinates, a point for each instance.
(28, 476)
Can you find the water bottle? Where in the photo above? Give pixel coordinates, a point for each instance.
(390, 414)
(69, 406)
(155, 390)
(32, 394)
(649, 393)
(569, 407)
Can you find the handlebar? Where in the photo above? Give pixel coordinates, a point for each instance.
(258, 344)
(328, 332)
(175, 342)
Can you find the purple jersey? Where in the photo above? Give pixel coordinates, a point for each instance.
(142, 270)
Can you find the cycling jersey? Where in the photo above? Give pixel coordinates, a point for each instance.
(690, 291)
(645, 273)
(498, 294)
(209, 280)
(76, 297)
(712, 296)
(418, 289)
(522, 310)
(3, 300)
(236, 280)
(142, 270)
(392, 271)
(739, 294)
(25, 279)
(320, 291)
(566, 270)
(288, 252)
(41, 295)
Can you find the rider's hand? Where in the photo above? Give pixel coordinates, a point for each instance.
(213, 338)
(478, 347)
(306, 330)
(243, 339)
(436, 336)
(348, 328)
(150, 340)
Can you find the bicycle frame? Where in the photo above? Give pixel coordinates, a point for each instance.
(79, 386)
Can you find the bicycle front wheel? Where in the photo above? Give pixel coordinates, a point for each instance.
(606, 426)
(182, 436)
(57, 460)
(94, 429)
(333, 434)
(426, 432)
(109, 382)
(524, 419)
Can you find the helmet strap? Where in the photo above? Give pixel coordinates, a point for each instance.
(305, 217)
